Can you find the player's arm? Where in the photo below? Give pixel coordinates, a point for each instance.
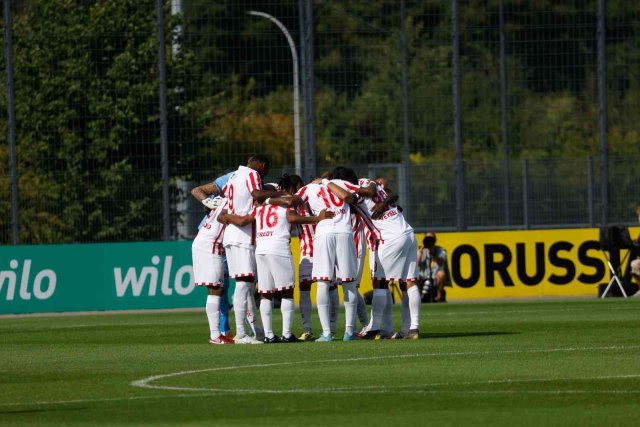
(380, 208)
(369, 191)
(262, 195)
(342, 194)
(287, 201)
(240, 221)
(202, 193)
(294, 218)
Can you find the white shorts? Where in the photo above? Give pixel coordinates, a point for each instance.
(396, 260)
(334, 255)
(241, 261)
(305, 268)
(208, 268)
(275, 273)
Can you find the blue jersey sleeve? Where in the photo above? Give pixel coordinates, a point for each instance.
(221, 181)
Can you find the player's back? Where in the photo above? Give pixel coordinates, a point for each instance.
(240, 202)
(273, 231)
(209, 237)
(392, 224)
(319, 197)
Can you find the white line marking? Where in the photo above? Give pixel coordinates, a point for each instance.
(146, 382)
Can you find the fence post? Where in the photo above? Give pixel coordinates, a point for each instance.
(164, 136)
(457, 127)
(405, 111)
(602, 113)
(305, 9)
(11, 118)
(504, 118)
(591, 192)
(525, 193)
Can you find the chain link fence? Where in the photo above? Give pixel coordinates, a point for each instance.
(482, 115)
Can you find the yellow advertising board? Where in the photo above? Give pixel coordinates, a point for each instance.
(529, 263)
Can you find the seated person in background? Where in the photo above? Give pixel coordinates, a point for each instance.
(634, 265)
(433, 266)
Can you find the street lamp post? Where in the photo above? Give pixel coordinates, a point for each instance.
(296, 89)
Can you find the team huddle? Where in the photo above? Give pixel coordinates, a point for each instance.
(337, 217)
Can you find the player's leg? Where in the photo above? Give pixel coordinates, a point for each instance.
(379, 300)
(242, 268)
(282, 268)
(304, 277)
(323, 273)
(266, 289)
(253, 320)
(334, 307)
(387, 318)
(347, 270)
(363, 315)
(208, 271)
(287, 308)
(225, 329)
(409, 275)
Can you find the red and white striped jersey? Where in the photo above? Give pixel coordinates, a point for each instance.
(319, 197)
(240, 202)
(306, 232)
(273, 231)
(392, 223)
(209, 237)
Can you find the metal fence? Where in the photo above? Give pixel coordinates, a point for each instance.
(482, 114)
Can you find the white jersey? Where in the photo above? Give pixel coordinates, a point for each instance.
(273, 231)
(319, 197)
(209, 238)
(240, 202)
(392, 223)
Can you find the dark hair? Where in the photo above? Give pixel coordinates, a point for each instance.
(345, 174)
(259, 158)
(288, 182)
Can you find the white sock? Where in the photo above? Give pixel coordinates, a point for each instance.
(305, 309)
(378, 306)
(363, 316)
(322, 302)
(266, 309)
(334, 302)
(252, 310)
(406, 317)
(387, 317)
(240, 306)
(287, 309)
(414, 306)
(213, 314)
(350, 307)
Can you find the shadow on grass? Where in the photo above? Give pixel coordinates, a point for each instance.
(463, 334)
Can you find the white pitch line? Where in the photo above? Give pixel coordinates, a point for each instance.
(145, 382)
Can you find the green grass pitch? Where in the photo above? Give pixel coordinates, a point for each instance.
(548, 362)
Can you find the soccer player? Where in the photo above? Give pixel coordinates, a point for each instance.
(334, 253)
(208, 267)
(393, 261)
(275, 262)
(242, 188)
